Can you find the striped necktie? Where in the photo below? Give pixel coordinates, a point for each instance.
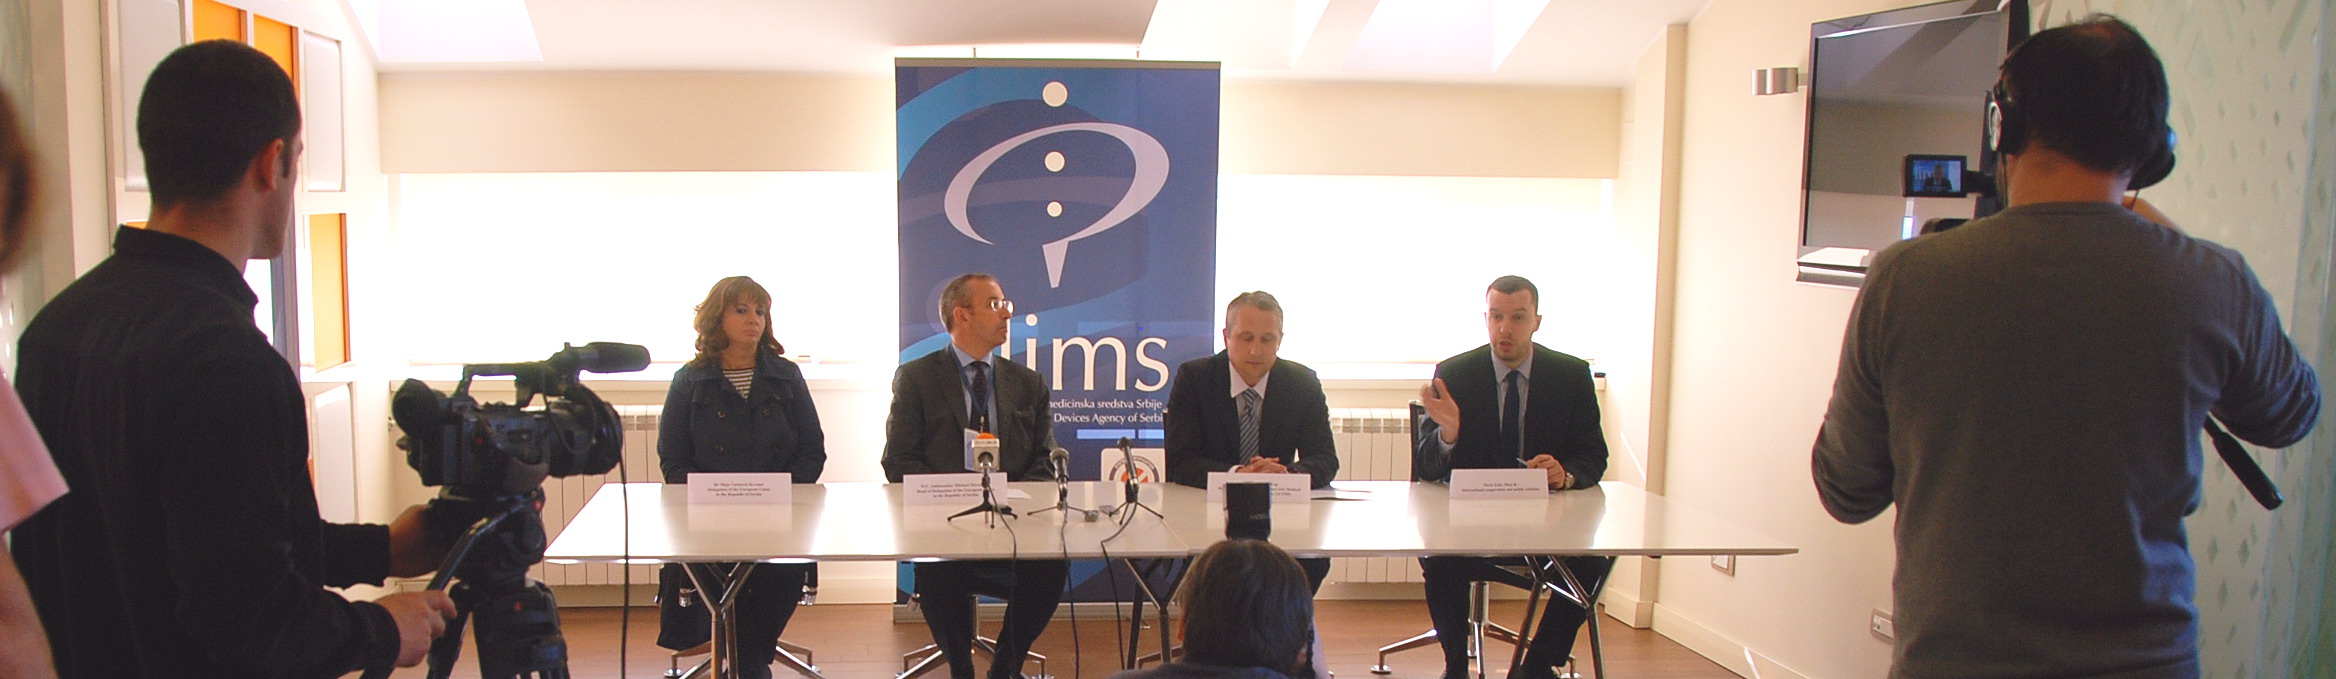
(1249, 402)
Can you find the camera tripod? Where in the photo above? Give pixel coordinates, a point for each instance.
(518, 630)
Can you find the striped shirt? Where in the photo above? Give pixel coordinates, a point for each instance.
(742, 378)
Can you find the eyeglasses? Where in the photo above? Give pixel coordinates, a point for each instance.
(1005, 305)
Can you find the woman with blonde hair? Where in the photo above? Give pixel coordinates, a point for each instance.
(741, 407)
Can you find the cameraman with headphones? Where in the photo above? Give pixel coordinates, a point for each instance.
(2029, 388)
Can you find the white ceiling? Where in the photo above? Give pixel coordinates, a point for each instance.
(1548, 42)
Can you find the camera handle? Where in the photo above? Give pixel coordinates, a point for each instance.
(2250, 474)
(444, 650)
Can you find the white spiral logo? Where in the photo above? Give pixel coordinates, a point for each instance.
(1151, 162)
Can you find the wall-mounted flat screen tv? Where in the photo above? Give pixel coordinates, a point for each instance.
(1886, 90)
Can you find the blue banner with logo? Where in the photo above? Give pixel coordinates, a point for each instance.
(1089, 189)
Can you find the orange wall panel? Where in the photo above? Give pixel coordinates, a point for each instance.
(328, 289)
(215, 21)
(279, 41)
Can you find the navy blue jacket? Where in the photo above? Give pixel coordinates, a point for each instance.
(708, 427)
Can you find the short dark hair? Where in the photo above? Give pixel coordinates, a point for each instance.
(953, 296)
(1246, 604)
(207, 110)
(2093, 91)
(16, 185)
(1255, 299)
(1509, 285)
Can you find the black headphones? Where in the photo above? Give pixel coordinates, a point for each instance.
(2007, 130)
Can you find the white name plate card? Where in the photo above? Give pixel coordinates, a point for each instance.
(1286, 487)
(936, 489)
(707, 488)
(1473, 484)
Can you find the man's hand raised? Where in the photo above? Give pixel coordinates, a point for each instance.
(1446, 412)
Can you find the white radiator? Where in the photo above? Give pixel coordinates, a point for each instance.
(563, 498)
(1374, 444)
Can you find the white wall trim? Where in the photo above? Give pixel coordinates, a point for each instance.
(1627, 609)
(1705, 641)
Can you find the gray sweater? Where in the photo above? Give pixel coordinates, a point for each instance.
(2029, 389)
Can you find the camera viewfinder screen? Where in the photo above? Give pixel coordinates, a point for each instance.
(1929, 176)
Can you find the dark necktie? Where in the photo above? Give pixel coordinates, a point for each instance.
(1512, 442)
(980, 407)
(1249, 402)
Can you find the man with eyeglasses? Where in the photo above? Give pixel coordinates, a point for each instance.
(939, 401)
(1523, 406)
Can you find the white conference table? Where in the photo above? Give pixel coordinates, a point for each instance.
(869, 522)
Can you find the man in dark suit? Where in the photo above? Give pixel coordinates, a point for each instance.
(1245, 410)
(1524, 406)
(940, 400)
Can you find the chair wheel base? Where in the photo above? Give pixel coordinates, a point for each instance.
(1382, 669)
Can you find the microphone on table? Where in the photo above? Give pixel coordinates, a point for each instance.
(1061, 459)
(1127, 465)
(985, 453)
(985, 462)
(1133, 501)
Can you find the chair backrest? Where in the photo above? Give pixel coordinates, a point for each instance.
(1419, 413)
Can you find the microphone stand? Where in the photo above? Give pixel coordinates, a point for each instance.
(1062, 488)
(1132, 500)
(990, 508)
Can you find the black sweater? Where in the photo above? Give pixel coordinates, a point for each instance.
(190, 544)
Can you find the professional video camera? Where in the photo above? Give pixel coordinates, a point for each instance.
(490, 462)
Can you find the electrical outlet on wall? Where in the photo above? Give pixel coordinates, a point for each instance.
(1882, 625)
(1724, 563)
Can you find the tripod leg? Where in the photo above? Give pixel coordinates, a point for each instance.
(448, 646)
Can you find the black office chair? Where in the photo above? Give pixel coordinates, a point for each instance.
(1533, 574)
(794, 656)
(929, 657)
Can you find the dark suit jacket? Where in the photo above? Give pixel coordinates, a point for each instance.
(1204, 422)
(925, 434)
(1560, 417)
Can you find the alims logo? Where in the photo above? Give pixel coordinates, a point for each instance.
(1146, 471)
(1151, 173)
(1092, 349)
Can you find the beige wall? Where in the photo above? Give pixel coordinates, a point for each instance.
(634, 122)
(1752, 363)
(1432, 130)
(607, 122)
(1646, 195)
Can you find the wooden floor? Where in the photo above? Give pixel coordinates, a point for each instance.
(860, 641)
